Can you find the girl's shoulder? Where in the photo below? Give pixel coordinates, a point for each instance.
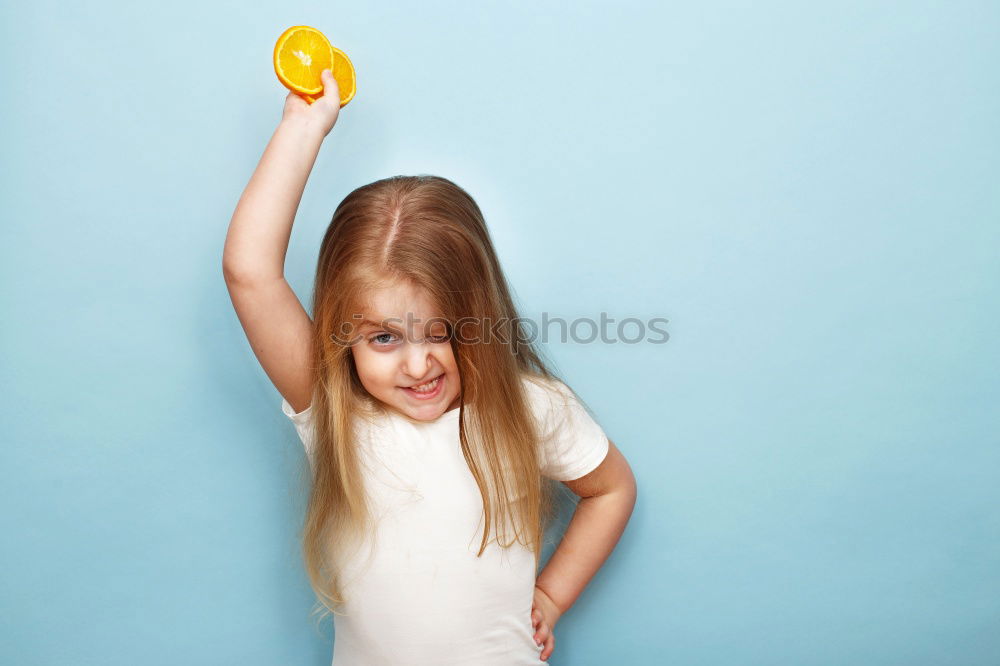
(572, 441)
(551, 400)
(365, 422)
(547, 391)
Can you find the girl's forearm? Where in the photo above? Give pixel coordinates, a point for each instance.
(591, 535)
(258, 234)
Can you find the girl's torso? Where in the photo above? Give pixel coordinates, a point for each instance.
(420, 595)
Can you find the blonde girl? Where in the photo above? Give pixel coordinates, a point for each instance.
(435, 433)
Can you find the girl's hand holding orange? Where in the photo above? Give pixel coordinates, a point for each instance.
(322, 113)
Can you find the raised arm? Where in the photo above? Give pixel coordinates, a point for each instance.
(253, 261)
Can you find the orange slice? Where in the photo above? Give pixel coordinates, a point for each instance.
(343, 71)
(301, 54)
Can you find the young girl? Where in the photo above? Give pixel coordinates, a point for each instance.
(434, 432)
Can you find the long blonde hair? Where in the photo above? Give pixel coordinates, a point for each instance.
(428, 232)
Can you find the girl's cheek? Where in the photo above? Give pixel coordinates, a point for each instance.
(374, 363)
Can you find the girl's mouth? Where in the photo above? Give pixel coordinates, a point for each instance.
(426, 391)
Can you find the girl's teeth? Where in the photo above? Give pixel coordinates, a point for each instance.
(429, 386)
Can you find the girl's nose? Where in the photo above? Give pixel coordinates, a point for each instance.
(418, 359)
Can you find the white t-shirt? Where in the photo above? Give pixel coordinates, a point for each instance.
(425, 599)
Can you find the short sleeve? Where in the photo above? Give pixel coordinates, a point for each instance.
(303, 425)
(572, 443)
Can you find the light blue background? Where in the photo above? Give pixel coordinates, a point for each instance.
(808, 193)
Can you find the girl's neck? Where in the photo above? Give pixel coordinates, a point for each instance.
(374, 408)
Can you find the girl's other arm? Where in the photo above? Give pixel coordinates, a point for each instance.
(277, 326)
(608, 495)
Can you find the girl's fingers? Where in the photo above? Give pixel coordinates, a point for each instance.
(550, 645)
(544, 638)
(537, 620)
(542, 634)
(330, 86)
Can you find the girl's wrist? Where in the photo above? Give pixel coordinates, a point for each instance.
(554, 607)
(303, 127)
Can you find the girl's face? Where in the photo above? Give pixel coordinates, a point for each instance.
(402, 346)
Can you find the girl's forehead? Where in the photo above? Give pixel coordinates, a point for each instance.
(398, 301)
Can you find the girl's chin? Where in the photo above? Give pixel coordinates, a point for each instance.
(423, 415)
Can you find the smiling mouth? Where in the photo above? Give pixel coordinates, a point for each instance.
(427, 388)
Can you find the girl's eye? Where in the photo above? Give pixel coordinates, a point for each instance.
(437, 339)
(374, 338)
